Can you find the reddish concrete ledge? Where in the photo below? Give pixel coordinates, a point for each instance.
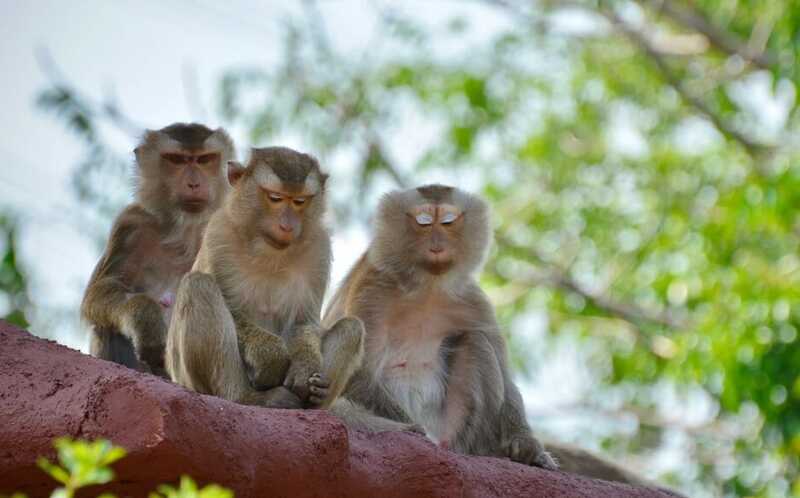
(48, 390)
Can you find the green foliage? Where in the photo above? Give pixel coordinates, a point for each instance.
(13, 285)
(83, 463)
(188, 489)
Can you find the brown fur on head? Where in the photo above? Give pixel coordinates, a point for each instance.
(182, 169)
(278, 198)
(431, 230)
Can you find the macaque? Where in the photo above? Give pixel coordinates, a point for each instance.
(181, 181)
(246, 322)
(434, 355)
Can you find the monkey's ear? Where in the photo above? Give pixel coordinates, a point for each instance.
(235, 171)
(137, 153)
(323, 177)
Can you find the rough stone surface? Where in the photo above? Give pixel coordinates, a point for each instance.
(48, 390)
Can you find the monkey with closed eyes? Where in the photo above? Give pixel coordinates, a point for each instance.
(434, 355)
(433, 350)
(181, 180)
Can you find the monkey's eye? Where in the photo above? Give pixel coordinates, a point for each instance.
(448, 218)
(299, 201)
(175, 158)
(424, 219)
(273, 197)
(206, 158)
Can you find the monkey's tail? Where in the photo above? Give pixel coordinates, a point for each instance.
(578, 461)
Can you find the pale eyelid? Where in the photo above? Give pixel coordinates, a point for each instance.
(424, 219)
(449, 218)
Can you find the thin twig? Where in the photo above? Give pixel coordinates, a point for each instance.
(752, 148)
(628, 312)
(720, 38)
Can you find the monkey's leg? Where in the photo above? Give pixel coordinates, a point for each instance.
(342, 353)
(203, 351)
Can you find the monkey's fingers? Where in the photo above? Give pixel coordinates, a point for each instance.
(319, 381)
(418, 429)
(318, 395)
(545, 461)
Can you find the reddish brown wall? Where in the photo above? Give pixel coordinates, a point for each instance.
(48, 390)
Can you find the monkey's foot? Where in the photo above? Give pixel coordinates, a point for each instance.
(318, 389)
(529, 451)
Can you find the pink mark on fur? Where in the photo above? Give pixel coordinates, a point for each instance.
(167, 300)
(400, 365)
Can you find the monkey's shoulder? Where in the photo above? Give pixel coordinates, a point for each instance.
(134, 225)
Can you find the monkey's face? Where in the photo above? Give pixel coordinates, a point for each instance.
(431, 230)
(437, 230)
(277, 208)
(284, 210)
(193, 178)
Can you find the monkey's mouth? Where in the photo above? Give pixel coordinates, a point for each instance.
(193, 205)
(438, 266)
(277, 244)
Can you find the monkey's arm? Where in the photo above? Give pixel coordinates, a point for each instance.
(110, 301)
(264, 354)
(304, 344)
(517, 439)
(305, 377)
(504, 402)
(474, 389)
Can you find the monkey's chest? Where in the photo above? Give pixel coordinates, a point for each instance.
(415, 376)
(409, 359)
(276, 305)
(160, 282)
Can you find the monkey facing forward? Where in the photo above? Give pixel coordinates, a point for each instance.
(433, 350)
(434, 355)
(181, 180)
(246, 322)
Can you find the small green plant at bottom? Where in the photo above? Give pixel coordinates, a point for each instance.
(84, 463)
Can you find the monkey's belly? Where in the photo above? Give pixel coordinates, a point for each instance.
(419, 388)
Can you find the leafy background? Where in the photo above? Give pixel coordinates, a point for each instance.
(641, 161)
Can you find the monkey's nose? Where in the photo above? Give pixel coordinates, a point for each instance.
(286, 228)
(193, 186)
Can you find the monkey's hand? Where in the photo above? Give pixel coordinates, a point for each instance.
(305, 379)
(143, 322)
(526, 449)
(265, 362)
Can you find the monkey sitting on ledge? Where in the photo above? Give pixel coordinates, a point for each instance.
(434, 354)
(181, 180)
(246, 321)
(433, 350)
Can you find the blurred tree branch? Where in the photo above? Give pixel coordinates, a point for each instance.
(560, 278)
(672, 79)
(79, 109)
(724, 40)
